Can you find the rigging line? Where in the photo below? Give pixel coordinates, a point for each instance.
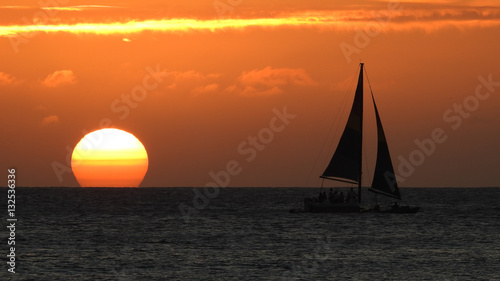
(335, 121)
(368, 80)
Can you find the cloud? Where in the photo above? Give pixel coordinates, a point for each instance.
(210, 88)
(191, 81)
(7, 79)
(258, 82)
(59, 78)
(52, 119)
(191, 75)
(270, 81)
(251, 91)
(77, 8)
(276, 77)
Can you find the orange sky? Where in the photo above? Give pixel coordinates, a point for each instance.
(193, 80)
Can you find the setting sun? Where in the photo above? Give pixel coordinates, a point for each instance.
(109, 158)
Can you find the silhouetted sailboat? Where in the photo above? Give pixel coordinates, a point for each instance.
(346, 165)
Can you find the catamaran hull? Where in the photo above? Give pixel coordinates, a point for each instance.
(397, 210)
(314, 207)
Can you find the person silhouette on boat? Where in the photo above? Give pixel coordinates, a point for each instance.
(330, 196)
(351, 196)
(322, 197)
(334, 197)
(341, 198)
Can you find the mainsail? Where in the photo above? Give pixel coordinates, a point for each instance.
(345, 164)
(384, 180)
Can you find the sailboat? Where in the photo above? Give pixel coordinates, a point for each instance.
(346, 165)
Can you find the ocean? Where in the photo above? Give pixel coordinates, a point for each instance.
(247, 234)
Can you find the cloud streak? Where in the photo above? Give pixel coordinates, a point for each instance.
(78, 8)
(426, 19)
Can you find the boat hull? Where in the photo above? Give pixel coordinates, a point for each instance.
(315, 207)
(397, 210)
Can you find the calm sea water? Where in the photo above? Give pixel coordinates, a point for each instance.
(248, 234)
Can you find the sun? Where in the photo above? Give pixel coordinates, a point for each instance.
(109, 158)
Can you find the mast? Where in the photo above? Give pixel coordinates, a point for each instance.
(360, 86)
